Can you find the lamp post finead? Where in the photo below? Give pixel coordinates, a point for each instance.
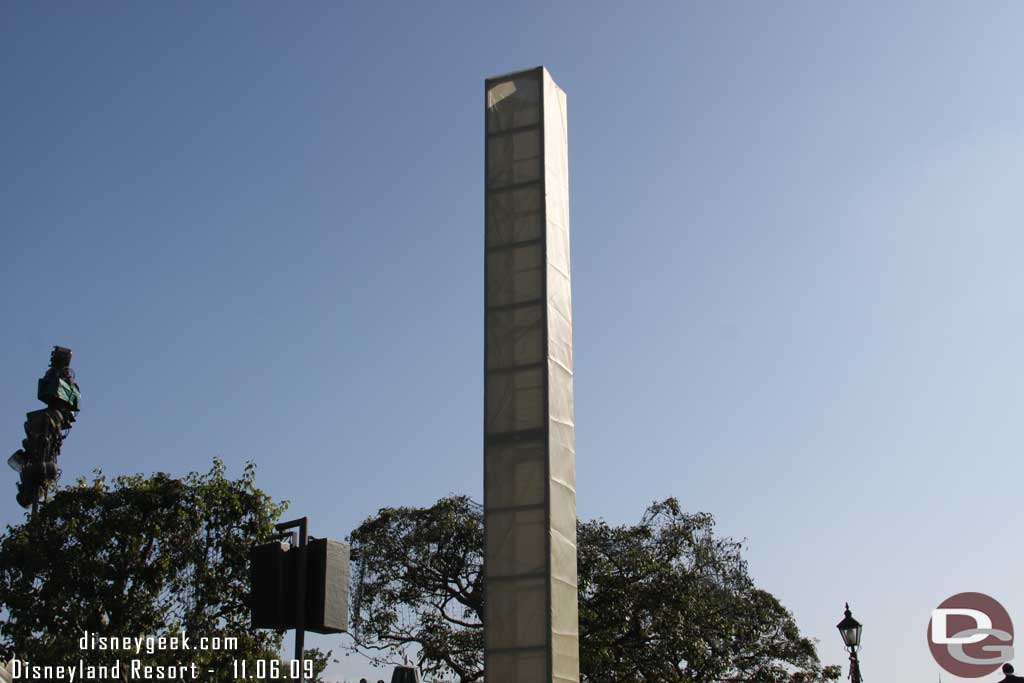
(850, 629)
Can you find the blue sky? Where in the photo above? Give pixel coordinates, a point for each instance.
(796, 267)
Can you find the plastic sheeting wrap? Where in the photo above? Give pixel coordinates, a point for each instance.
(531, 619)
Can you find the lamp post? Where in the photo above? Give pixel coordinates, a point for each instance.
(850, 629)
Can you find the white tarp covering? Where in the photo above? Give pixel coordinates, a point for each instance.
(531, 620)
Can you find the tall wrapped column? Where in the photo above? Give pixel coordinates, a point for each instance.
(531, 622)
